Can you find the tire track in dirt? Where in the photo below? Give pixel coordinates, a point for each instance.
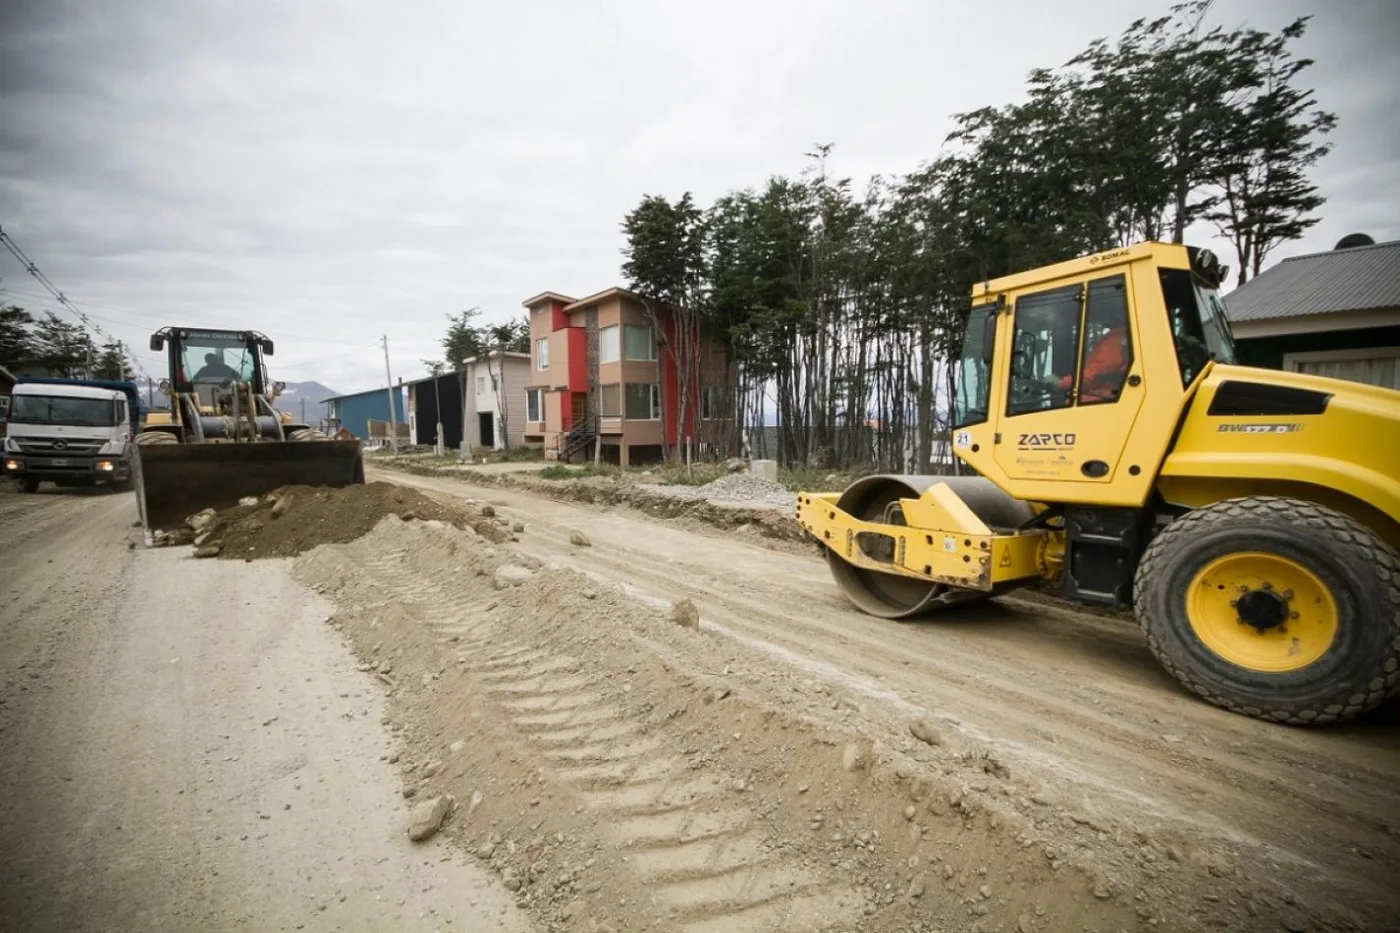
(701, 860)
(1077, 699)
(615, 767)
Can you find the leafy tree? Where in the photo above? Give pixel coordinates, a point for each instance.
(17, 345)
(665, 264)
(845, 311)
(1266, 197)
(113, 363)
(62, 348)
(497, 340)
(463, 339)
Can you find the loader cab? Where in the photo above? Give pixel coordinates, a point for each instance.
(1072, 375)
(202, 361)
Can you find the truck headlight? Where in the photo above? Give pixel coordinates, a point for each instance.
(12, 464)
(105, 466)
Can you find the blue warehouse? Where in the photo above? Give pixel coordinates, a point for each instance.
(355, 412)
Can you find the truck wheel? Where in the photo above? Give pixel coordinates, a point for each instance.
(156, 437)
(306, 434)
(27, 484)
(1275, 608)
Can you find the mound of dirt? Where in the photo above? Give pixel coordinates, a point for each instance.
(294, 519)
(600, 749)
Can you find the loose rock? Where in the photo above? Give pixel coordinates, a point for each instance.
(248, 501)
(510, 575)
(428, 817)
(579, 539)
(925, 731)
(684, 614)
(518, 527)
(211, 550)
(200, 520)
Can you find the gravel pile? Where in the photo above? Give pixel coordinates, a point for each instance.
(735, 488)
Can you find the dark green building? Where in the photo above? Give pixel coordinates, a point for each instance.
(1331, 314)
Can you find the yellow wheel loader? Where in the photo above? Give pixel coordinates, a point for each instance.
(1249, 517)
(222, 439)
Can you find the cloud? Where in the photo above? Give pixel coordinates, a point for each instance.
(332, 171)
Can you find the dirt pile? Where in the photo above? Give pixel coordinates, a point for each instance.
(295, 519)
(617, 767)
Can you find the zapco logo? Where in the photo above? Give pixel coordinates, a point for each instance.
(1286, 428)
(1045, 441)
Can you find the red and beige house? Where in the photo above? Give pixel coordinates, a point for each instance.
(599, 373)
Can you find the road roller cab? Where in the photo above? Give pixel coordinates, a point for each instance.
(1249, 517)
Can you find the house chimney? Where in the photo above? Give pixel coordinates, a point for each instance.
(1353, 240)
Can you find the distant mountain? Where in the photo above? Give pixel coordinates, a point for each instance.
(313, 392)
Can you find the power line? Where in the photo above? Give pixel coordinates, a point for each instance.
(167, 318)
(33, 269)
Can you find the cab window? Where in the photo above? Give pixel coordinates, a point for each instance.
(972, 379)
(1108, 351)
(1045, 351)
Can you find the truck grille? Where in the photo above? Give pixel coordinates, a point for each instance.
(58, 447)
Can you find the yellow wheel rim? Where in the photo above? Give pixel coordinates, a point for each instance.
(1263, 612)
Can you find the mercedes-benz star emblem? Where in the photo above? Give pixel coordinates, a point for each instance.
(60, 445)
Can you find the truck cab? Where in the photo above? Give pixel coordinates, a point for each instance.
(70, 432)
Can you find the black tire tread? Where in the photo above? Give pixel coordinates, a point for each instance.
(1298, 512)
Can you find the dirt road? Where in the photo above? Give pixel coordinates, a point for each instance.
(1071, 702)
(185, 745)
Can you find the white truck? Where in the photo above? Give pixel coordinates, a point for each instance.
(71, 432)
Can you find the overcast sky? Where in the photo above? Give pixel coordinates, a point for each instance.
(328, 172)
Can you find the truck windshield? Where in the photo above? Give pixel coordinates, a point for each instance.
(62, 409)
(1200, 329)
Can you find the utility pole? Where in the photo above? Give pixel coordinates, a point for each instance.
(303, 409)
(393, 418)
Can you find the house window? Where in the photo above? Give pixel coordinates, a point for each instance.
(643, 401)
(534, 405)
(713, 403)
(608, 349)
(610, 401)
(542, 353)
(480, 385)
(640, 342)
(1377, 366)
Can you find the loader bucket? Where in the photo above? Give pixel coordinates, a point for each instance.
(174, 481)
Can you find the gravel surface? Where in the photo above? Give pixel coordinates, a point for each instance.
(735, 487)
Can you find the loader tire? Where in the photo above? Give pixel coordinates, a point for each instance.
(156, 437)
(1275, 608)
(28, 485)
(307, 434)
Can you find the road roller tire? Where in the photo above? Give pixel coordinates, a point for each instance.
(894, 596)
(1275, 608)
(307, 434)
(156, 437)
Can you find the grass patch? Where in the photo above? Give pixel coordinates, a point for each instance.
(810, 479)
(560, 471)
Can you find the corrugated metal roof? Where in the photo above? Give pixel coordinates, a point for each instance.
(1362, 278)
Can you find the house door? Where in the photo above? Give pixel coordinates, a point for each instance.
(486, 423)
(580, 409)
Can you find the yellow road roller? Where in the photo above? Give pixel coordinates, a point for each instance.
(1250, 518)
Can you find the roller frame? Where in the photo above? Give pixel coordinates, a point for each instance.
(944, 540)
